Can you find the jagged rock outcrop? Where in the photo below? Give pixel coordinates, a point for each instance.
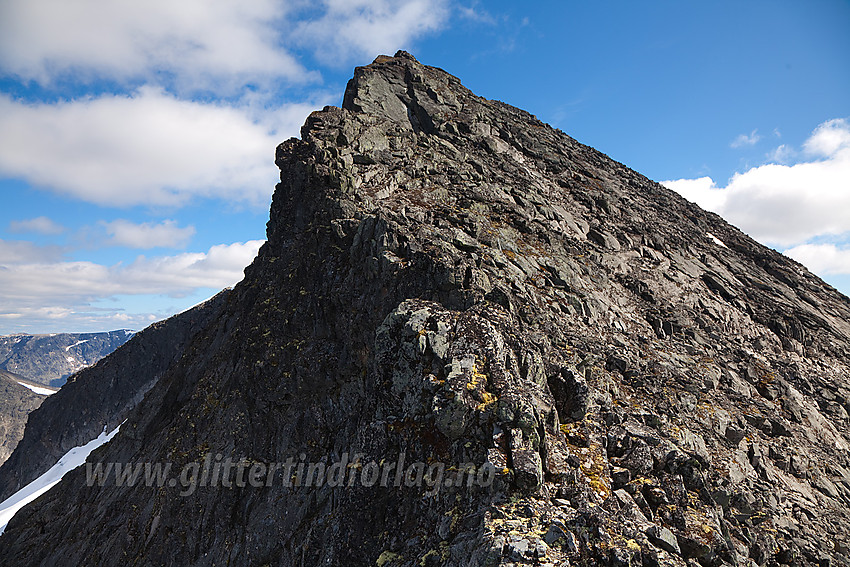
(16, 402)
(51, 359)
(100, 397)
(449, 278)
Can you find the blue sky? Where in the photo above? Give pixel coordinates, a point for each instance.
(137, 138)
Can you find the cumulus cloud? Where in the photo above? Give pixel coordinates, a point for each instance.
(830, 138)
(38, 225)
(195, 44)
(227, 41)
(39, 289)
(175, 276)
(159, 144)
(786, 205)
(147, 235)
(824, 259)
(148, 148)
(701, 191)
(745, 140)
(366, 28)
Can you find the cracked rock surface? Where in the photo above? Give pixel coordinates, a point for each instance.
(449, 278)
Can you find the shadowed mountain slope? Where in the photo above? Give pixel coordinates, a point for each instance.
(16, 402)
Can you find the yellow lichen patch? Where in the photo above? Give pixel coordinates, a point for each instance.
(387, 557)
(693, 498)
(424, 560)
(477, 380)
(698, 525)
(488, 399)
(593, 467)
(445, 552)
(478, 376)
(706, 409)
(571, 429)
(632, 546)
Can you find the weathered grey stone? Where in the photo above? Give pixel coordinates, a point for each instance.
(448, 278)
(664, 539)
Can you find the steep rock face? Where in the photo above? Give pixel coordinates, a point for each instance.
(16, 402)
(50, 359)
(449, 278)
(99, 397)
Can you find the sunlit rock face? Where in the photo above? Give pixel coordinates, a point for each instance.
(449, 279)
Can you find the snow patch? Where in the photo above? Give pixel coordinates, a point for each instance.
(38, 390)
(70, 359)
(716, 240)
(69, 347)
(71, 460)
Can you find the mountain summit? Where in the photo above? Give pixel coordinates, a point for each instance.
(476, 341)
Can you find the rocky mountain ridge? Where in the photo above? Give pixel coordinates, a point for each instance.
(449, 278)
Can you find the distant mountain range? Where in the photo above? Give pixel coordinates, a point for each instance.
(34, 366)
(51, 359)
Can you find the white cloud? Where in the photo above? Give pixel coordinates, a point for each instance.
(745, 140)
(15, 251)
(38, 225)
(53, 319)
(822, 258)
(146, 149)
(219, 267)
(786, 205)
(830, 138)
(199, 42)
(781, 154)
(153, 145)
(35, 291)
(199, 45)
(177, 275)
(474, 12)
(147, 235)
(366, 28)
(701, 191)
